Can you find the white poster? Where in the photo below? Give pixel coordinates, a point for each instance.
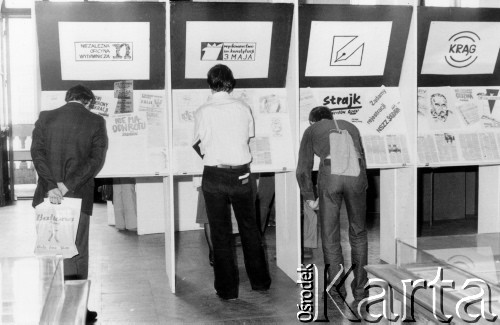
(347, 48)
(104, 50)
(244, 46)
(461, 48)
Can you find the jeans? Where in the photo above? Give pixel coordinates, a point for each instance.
(265, 197)
(332, 189)
(222, 187)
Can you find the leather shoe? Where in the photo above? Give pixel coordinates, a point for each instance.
(91, 316)
(225, 297)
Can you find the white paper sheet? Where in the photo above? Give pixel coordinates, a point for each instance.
(104, 50)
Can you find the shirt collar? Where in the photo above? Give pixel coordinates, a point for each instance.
(221, 94)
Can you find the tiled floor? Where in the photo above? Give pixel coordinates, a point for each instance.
(129, 283)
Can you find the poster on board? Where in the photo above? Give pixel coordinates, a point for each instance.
(461, 48)
(104, 50)
(244, 46)
(458, 125)
(347, 48)
(376, 112)
(136, 138)
(97, 43)
(252, 39)
(271, 148)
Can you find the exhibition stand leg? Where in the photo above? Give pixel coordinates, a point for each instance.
(397, 212)
(288, 237)
(489, 199)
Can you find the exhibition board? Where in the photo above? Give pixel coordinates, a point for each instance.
(98, 43)
(458, 125)
(118, 52)
(458, 86)
(351, 59)
(137, 139)
(271, 148)
(376, 112)
(458, 47)
(253, 39)
(352, 46)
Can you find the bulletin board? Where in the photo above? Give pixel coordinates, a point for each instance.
(271, 148)
(376, 112)
(458, 126)
(352, 46)
(252, 39)
(458, 86)
(97, 43)
(458, 47)
(118, 51)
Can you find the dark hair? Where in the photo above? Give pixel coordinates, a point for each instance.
(320, 112)
(220, 78)
(81, 94)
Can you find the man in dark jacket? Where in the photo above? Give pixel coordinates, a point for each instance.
(68, 150)
(332, 190)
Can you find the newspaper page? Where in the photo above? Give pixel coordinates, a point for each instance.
(470, 147)
(427, 151)
(446, 144)
(375, 151)
(489, 146)
(468, 115)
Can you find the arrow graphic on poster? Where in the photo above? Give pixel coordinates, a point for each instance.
(347, 51)
(491, 103)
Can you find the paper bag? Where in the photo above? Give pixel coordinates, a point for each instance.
(56, 227)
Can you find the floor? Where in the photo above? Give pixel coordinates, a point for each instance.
(129, 283)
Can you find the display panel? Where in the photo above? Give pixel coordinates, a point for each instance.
(131, 34)
(352, 46)
(458, 125)
(252, 39)
(136, 135)
(271, 148)
(458, 47)
(376, 112)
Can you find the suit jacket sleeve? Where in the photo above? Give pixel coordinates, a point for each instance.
(91, 166)
(39, 153)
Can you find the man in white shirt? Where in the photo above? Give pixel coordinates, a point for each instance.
(223, 127)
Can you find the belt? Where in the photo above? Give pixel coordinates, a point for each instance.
(328, 162)
(232, 167)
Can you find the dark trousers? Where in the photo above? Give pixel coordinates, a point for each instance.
(222, 187)
(332, 189)
(265, 198)
(77, 267)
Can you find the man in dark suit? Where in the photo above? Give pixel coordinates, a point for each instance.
(68, 150)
